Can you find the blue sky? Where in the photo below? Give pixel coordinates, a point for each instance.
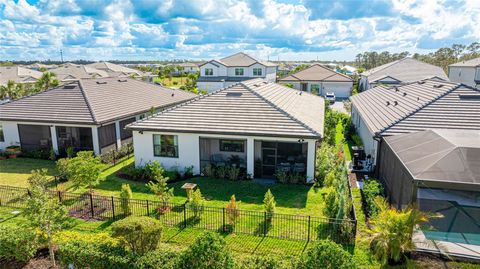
(205, 29)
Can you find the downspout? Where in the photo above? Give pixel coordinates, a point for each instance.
(377, 137)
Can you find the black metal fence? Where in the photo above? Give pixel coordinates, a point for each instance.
(224, 220)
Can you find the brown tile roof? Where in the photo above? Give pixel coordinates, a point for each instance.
(251, 107)
(18, 74)
(241, 60)
(92, 101)
(418, 106)
(317, 72)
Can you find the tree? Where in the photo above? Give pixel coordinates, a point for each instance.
(324, 162)
(232, 211)
(8, 91)
(208, 251)
(43, 211)
(197, 203)
(84, 170)
(159, 184)
(391, 235)
(46, 82)
(139, 234)
(269, 204)
(125, 196)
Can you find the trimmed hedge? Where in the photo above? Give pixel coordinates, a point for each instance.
(208, 251)
(18, 244)
(371, 189)
(158, 259)
(326, 254)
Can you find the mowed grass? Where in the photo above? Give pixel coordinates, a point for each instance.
(173, 82)
(291, 199)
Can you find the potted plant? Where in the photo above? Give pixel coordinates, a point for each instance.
(12, 151)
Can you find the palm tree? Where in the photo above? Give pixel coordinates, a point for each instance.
(391, 235)
(7, 91)
(46, 82)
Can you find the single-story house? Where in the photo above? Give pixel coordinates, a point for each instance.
(319, 80)
(399, 72)
(427, 104)
(439, 171)
(466, 72)
(18, 74)
(70, 72)
(87, 114)
(262, 125)
(116, 70)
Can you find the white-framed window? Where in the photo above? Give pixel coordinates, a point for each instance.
(165, 145)
(2, 137)
(238, 71)
(257, 71)
(208, 72)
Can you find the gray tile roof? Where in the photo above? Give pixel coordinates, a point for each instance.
(18, 74)
(241, 60)
(470, 63)
(450, 156)
(70, 72)
(418, 106)
(115, 70)
(92, 101)
(405, 70)
(252, 107)
(317, 72)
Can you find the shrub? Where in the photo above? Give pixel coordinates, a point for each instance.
(84, 170)
(221, 172)
(371, 189)
(232, 211)
(125, 196)
(208, 251)
(326, 254)
(18, 244)
(139, 234)
(62, 168)
(94, 255)
(357, 141)
(94, 238)
(269, 204)
(331, 208)
(188, 171)
(197, 204)
(282, 176)
(157, 259)
(324, 162)
(233, 173)
(263, 262)
(330, 179)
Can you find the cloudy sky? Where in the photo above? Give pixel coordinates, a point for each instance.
(204, 29)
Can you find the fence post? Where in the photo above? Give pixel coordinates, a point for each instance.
(59, 197)
(113, 209)
(224, 228)
(308, 228)
(184, 215)
(264, 224)
(148, 209)
(91, 204)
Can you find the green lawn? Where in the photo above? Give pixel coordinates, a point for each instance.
(170, 82)
(291, 199)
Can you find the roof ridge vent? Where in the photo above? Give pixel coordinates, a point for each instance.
(421, 82)
(438, 86)
(388, 103)
(395, 102)
(101, 82)
(122, 80)
(404, 93)
(396, 88)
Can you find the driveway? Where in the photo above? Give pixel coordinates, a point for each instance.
(338, 106)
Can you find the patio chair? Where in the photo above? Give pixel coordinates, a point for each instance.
(299, 167)
(284, 167)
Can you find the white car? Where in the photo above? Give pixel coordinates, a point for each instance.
(330, 97)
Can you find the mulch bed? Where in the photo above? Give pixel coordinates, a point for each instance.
(40, 261)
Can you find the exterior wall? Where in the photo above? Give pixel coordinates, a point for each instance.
(10, 134)
(363, 83)
(341, 89)
(465, 75)
(189, 150)
(271, 73)
(369, 144)
(219, 70)
(211, 86)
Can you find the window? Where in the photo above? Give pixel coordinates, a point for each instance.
(238, 71)
(107, 135)
(208, 71)
(124, 134)
(232, 145)
(2, 138)
(257, 71)
(165, 145)
(315, 89)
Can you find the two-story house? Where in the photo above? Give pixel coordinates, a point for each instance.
(466, 72)
(218, 74)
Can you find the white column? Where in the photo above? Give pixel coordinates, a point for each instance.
(117, 134)
(53, 133)
(250, 155)
(311, 160)
(96, 142)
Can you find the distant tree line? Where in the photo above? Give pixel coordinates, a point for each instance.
(443, 57)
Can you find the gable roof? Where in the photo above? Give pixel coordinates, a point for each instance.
(114, 70)
(449, 156)
(317, 72)
(18, 74)
(239, 60)
(426, 104)
(92, 101)
(405, 70)
(470, 63)
(252, 107)
(71, 71)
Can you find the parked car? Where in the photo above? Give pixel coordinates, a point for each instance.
(330, 97)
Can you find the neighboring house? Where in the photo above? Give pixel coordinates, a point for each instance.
(88, 114)
(218, 74)
(466, 72)
(401, 71)
(262, 125)
(427, 104)
(188, 68)
(18, 74)
(319, 80)
(38, 66)
(71, 72)
(116, 70)
(439, 171)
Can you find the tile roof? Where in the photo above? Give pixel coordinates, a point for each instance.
(92, 101)
(115, 70)
(470, 63)
(18, 74)
(450, 156)
(221, 78)
(317, 72)
(418, 106)
(405, 70)
(241, 60)
(69, 72)
(251, 107)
